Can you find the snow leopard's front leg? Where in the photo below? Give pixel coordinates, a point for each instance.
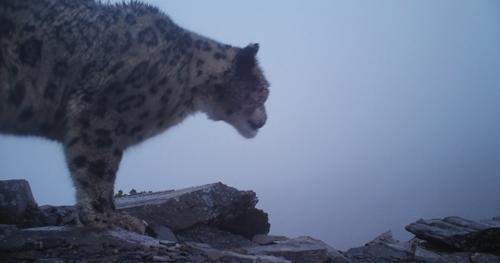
(93, 157)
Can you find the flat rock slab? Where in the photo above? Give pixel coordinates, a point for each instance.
(215, 204)
(459, 234)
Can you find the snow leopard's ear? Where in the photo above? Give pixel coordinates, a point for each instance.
(246, 59)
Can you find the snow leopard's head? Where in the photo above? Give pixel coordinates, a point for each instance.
(239, 97)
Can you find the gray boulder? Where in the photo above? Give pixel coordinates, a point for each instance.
(17, 205)
(216, 205)
(300, 249)
(459, 234)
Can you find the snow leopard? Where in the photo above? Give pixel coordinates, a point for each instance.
(99, 78)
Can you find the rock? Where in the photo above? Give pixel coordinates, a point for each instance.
(6, 230)
(167, 243)
(301, 249)
(17, 205)
(68, 244)
(459, 234)
(455, 257)
(59, 215)
(268, 239)
(246, 222)
(164, 233)
(216, 238)
(385, 237)
(230, 256)
(216, 204)
(161, 259)
(484, 258)
(214, 223)
(385, 248)
(419, 250)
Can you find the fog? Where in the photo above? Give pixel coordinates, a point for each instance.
(380, 113)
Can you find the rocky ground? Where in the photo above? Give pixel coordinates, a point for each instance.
(215, 223)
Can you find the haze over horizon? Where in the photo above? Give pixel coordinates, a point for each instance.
(380, 113)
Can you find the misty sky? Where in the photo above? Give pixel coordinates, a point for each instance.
(380, 113)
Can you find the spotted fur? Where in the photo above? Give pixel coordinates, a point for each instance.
(99, 78)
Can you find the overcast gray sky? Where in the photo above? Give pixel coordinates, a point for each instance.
(381, 112)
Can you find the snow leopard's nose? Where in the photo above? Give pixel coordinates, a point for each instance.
(256, 124)
(258, 118)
